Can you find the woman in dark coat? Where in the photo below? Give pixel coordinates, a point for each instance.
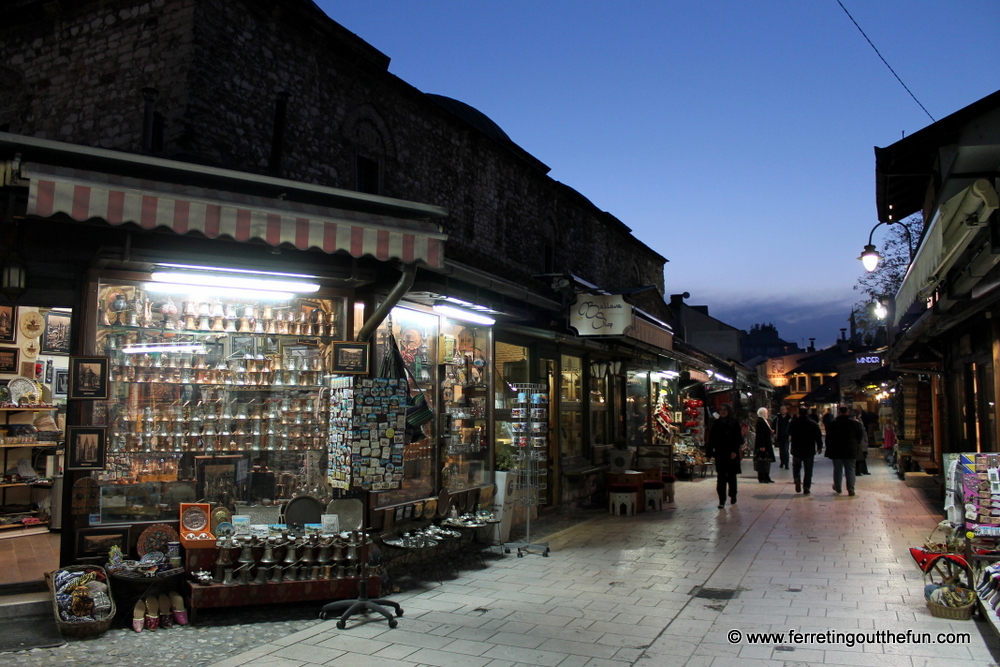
(724, 444)
(763, 455)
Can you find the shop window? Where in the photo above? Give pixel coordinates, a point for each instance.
(571, 407)
(637, 408)
(211, 396)
(417, 336)
(511, 368)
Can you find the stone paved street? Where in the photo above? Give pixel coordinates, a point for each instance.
(618, 591)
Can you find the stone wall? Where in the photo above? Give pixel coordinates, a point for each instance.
(75, 72)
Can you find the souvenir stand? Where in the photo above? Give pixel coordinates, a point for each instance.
(529, 420)
(973, 503)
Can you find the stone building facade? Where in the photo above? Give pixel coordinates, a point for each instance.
(281, 89)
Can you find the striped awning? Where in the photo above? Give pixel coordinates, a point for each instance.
(87, 195)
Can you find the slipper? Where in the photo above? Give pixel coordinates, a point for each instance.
(152, 613)
(178, 609)
(138, 615)
(166, 620)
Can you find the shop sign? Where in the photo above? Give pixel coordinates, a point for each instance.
(600, 315)
(868, 360)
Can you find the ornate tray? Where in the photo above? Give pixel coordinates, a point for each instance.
(155, 538)
(20, 387)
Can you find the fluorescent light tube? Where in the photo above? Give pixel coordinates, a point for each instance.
(234, 281)
(464, 315)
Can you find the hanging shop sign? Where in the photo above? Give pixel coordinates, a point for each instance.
(600, 315)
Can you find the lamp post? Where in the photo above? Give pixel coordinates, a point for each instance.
(870, 257)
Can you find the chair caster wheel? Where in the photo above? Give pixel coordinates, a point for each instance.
(520, 555)
(393, 622)
(545, 554)
(322, 616)
(399, 612)
(341, 624)
(506, 551)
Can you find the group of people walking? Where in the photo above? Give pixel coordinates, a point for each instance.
(799, 436)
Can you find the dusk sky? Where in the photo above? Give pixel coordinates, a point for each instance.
(735, 138)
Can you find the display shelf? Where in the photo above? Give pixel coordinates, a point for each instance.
(29, 408)
(22, 445)
(125, 329)
(14, 526)
(37, 485)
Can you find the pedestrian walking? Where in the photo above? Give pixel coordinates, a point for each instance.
(843, 446)
(781, 435)
(861, 463)
(806, 441)
(763, 454)
(724, 442)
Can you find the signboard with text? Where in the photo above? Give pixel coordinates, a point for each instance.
(600, 315)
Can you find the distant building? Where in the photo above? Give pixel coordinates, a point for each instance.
(695, 326)
(763, 341)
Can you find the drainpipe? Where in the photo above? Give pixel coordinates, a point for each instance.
(401, 288)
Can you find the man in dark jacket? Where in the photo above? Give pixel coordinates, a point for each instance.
(843, 445)
(781, 435)
(807, 441)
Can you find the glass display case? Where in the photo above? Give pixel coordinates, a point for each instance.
(199, 384)
(465, 402)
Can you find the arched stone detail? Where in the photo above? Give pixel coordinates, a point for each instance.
(368, 131)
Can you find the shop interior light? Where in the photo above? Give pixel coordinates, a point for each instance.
(163, 347)
(235, 281)
(464, 315)
(207, 291)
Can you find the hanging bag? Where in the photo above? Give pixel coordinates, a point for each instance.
(418, 411)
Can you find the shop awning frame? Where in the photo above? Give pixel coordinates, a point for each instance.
(85, 195)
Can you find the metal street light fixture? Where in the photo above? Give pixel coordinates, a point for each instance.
(870, 257)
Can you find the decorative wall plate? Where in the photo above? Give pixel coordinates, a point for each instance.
(194, 519)
(32, 324)
(350, 511)
(220, 515)
(30, 349)
(21, 387)
(156, 538)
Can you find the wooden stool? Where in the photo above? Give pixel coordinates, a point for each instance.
(622, 499)
(653, 495)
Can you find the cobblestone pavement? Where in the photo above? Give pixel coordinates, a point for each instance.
(627, 591)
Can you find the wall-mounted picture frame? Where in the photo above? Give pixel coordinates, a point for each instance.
(96, 542)
(86, 447)
(350, 358)
(60, 385)
(88, 377)
(55, 340)
(8, 324)
(9, 357)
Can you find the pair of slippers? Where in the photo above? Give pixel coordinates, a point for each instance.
(159, 611)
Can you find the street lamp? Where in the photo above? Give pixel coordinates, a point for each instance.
(870, 257)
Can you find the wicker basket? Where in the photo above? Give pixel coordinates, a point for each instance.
(84, 629)
(954, 613)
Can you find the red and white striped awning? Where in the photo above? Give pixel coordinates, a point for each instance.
(85, 195)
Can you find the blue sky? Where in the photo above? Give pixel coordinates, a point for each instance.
(735, 138)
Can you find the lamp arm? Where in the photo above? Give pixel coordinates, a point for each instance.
(909, 236)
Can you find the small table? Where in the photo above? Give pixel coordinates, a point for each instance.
(632, 478)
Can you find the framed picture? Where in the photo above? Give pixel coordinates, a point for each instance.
(350, 358)
(61, 385)
(96, 542)
(8, 324)
(28, 370)
(55, 340)
(88, 377)
(86, 447)
(216, 475)
(8, 360)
